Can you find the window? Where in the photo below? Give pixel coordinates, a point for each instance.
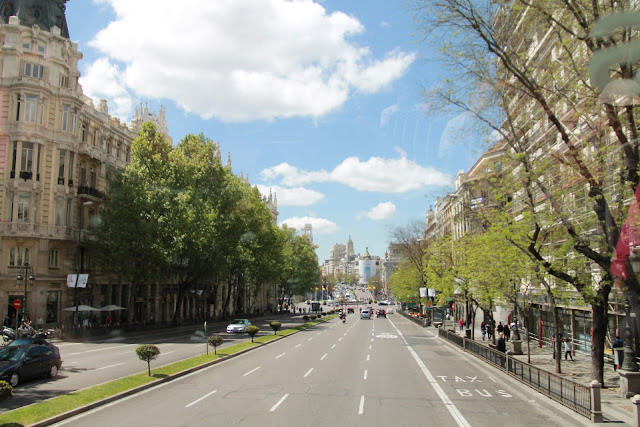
(13, 162)
(64, 80)
(26, 164)
(17, 256)
(92, 179)
(74, 119)
(117, 150)
(38, 162)
(30, 109)
(33, 70)
(83, 176)
(53, 258)
(83, 133)
(63, 153)
(24, 205)
(40, 112)
(59, 208)
(53, 306)
(40, 48)
(18, 108)
(70, 168)
(65, 117)
(67, 216)
(11, 207)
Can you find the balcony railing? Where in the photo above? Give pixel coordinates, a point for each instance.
(90, 191)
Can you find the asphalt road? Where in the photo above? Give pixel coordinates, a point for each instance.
(92, 363)
(381, 372)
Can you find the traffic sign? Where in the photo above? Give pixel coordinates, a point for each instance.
(17, 304)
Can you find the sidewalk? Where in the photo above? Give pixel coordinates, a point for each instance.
(614, 408)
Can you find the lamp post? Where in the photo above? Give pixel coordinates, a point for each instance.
(30, 278)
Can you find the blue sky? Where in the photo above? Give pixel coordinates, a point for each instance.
(321, 102)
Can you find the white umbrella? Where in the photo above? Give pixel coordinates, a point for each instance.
(81, 308)
(112, 307)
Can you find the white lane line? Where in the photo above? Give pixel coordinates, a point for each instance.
(325, 355)
(318, 333)
(493, 380)
(110, 366)
(280, 355)
(453, 410)
(371, 339)
(251, 371)
(370, 347)
(297, 346)
(361, 409)
(120, 354)
(165, 353)
(202, 398)
(279, 402)
(340, 339)
(345, 334)
(368, 356)
(365, 374)
(333, 346)
(91, 351)
(308, 372)
(310, 339)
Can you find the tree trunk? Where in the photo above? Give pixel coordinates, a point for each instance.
(557, 341)
(176, 312)
(227, 298)
(599, 318)
(132, 303)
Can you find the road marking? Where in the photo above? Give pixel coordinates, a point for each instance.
(202, 398)
(318, 333)
(345, 334)
(368, 356)
(168, 352)
(453, 410)
(91, 351)
(298, 346)
(371, 339)
(493, 380)
(333, 346)
(325, 355)
(361, 409)
(280, 355)
(251, 371)
(120, 354)
(308, 372)
(386, 335)
(279, 402)
(365, 374)
(110, 366)
(340, 339)
(310, 339)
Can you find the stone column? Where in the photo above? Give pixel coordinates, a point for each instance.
(636, 408)
(596, 407)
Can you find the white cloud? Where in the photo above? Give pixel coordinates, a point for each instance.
(385, 24)
(320, 225)
(242, 60)
(387, 113)
(379, 212)
(375, 175)
(297, 196)
(104, 80)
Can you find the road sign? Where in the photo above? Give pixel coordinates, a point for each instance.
(17, 304)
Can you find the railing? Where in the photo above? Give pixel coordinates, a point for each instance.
(90, 191)
(569, 393)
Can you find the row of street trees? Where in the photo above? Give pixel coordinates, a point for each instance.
(550, 81)
(179, 220)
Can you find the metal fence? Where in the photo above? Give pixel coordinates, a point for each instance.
(569, 393)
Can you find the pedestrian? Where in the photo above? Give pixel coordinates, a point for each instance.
(483, 330)
(40, 322)
(501, 344)
(461, 323)
(500, 328)
(507, 332)
(618, 355)
(568, 350)
(489, 330)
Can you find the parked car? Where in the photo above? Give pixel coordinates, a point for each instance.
(32, 341)
(365, 314)
(238, 325)
(22, 362)
(382, 313)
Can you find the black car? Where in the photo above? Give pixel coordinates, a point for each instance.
(33, 341)
(21, 362)
(382, 313)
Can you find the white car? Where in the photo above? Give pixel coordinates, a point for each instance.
(238, 325)
(365, 314)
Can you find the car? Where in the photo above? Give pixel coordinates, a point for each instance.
(31, 341)
(383, 303)
(22, 362)
(365, 314)
(238, 325)
(350, 310)
(382, 313)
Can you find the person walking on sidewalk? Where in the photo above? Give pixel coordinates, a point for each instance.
(618, 355)
(461, 323)
(500, 328)
(483, 330)
(501, 344)
(507, 332)
(568, 350)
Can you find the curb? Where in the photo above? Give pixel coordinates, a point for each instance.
(106, 400)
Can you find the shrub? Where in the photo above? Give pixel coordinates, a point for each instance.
(305, 318)
(252, 331)
(215, 341)
(147, 352)
(275, 325)
(308, 301)
(313, 317)
(324, 302)
(6, 391)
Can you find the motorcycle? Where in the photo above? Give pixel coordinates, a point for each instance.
(8, 334)
(343, 317)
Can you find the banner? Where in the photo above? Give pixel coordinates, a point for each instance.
(77, 280)
(82, 280)
(423, 292)
(71, 280)
(431, 293)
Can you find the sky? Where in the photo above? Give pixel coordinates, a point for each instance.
(320, 102)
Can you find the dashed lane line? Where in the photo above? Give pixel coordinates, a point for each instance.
(361, 408)
(274, 407)
(110, 366)
(202, 398)
(308, 372)
(251, 371)
(298, 346)
(365, 374)
(280, 355)
(325, 355)
(333, 346)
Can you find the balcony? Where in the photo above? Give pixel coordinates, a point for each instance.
(90, 191)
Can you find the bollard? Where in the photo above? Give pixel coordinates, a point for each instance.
(596, 405)
(636, 402)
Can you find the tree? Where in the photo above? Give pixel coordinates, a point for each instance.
(405, 282)
(252, 330)
(275, 325)
(215, 341)
(410, 239)
(6, 391)
(147, 353)
(575, 146)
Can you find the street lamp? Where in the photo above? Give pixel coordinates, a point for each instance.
(28, 271)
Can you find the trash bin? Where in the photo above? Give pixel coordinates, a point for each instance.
(467, 333)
